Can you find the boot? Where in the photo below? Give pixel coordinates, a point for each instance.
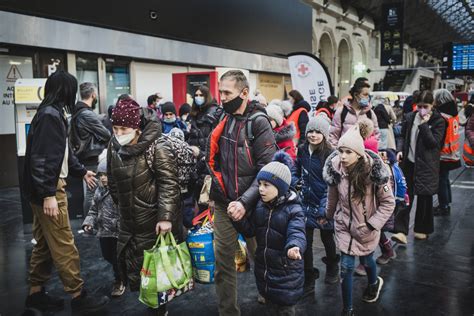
(348, 312)
(332, 270)
(88, 304)
(43, 302)
(442, 210)
(309, 279)
(387, 253)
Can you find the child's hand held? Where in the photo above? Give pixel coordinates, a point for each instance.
(294, 253)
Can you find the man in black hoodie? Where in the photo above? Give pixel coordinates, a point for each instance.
(88, 135)
(48, 161)
(239, 146)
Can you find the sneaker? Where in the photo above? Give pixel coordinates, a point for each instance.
(421, 236)
(442, 210)
(261, 299)
(386, 257)
(88, 304)
(118, 289)
(44, 302)
(400, 238)
(348, 312)
(360, 270)
(372, 292)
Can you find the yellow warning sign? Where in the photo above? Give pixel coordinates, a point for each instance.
(29, 91)
(13, 74)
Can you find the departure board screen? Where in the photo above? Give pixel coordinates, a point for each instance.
(462, 60)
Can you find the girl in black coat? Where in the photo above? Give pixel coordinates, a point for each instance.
(279, 226)
(419, 153)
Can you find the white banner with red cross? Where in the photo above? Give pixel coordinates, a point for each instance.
(310, 77)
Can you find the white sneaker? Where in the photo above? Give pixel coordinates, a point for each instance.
(400, 238)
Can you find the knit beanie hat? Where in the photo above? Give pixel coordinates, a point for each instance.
(287, 107)
(102, 167)
(177, 133)
(275, 113)
(168, 107)
(126, 113)
(278, 172)
(319, 124)
(184, 109)
(366, 127)
(352, 140)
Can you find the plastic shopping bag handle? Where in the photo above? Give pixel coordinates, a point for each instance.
(167, 240)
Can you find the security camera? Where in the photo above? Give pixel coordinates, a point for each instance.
(153, 15)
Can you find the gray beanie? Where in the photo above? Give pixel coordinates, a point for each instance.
(278, 172)
(177, 133)
(319, 124)
(102, 167)
(275, 113)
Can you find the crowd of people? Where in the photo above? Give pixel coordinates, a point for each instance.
(274, 173)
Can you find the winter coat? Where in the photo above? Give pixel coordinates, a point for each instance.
(202, 125)
(88, 136)
(429, 142)
(234, 160)
(309, 172)
(383, 118)
(144, 196)
(284, 138)
(302, 119)
(277, 226)
(470, 130)
(103, 215)
(336, 130)
(351, 217)
(45, 149)
(167, 127)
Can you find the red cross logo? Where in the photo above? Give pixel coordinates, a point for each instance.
(303, 69)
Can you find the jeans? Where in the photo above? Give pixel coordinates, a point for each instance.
(444, 191)
(347, 274)
(327, 237)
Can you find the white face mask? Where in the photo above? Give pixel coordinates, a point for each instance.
(125, 139)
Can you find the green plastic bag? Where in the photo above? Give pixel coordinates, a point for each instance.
(165, 266)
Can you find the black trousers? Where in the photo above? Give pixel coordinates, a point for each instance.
(327, 237)
(108, 246)
(424, 222)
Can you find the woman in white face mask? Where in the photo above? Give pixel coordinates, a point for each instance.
(143, 182)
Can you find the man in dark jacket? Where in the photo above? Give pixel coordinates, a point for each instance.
(240, 145)
(88, 135)
(48, 161)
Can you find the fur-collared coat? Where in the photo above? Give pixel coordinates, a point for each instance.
(284, 138)
(351, 217)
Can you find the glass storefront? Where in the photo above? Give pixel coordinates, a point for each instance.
(117, 78)
(87, 70)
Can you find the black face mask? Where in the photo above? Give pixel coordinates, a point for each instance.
(233, 105)
(94, 104)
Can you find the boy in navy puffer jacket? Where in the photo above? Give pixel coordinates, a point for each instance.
(278, 223)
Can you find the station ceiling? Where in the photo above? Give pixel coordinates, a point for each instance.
(429, 24)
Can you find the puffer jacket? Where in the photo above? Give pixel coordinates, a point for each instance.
(351, 217)
(234, 160)
(278, 226)
(88, 136)
(309, 174)
(103, 215)
(336, 130)
(470, 130)
(144, 196)
(427, 153)
(284, 138)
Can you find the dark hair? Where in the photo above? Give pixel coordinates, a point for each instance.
(358, 177)
(151, 99)
(323, 149)
(357, 87)
(60, 89)
(416, 96)
(207, 100)
(426, 97)
(361, 79)
(296, 95)
(332, 100)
